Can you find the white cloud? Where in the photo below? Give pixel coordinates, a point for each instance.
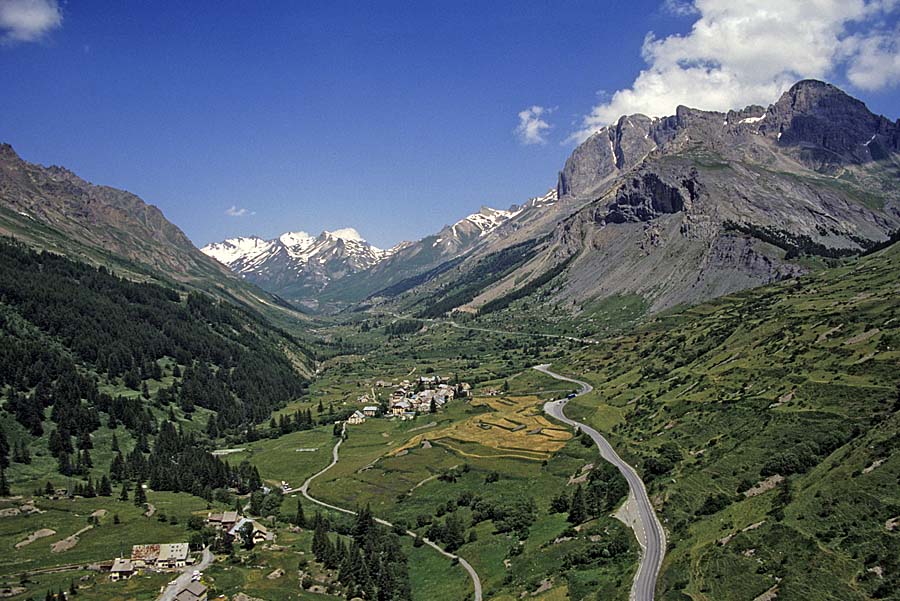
(234, 211)
(740, 53)
(28, 20)
(680, 8)
(875, 60)
(532, 127)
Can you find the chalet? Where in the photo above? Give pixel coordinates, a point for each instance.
(407, 416)
(260, 533)
(222, 521)
(122, 569)
(192, 592)
(401, 407)
(357, 417)
(370, 410)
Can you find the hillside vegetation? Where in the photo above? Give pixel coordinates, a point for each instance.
(81, 348)
(767, 425)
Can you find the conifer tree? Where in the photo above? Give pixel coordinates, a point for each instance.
(578, 507)
(140, 497)
(299, 517)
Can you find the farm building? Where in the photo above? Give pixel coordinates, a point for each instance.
(122, 569)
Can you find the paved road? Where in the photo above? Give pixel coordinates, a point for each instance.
(644, 585)
(184, 579)
(335, 457)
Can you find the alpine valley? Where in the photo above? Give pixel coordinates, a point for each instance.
(674, 375)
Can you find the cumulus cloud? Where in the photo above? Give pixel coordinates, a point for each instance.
(234, 211)
(28, 20)
(740, 53)
(532, 126)
(680, 8)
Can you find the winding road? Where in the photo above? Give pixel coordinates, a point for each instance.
(651, 537)
(335, 457)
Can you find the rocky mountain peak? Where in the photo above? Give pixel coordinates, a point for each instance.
(7, 151)
(346, 234)
(828, 127)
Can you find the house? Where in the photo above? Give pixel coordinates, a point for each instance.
(430, 380)
(357, 417)
(259, 533)
(122, 569)
(192, 592)
(401, 407)
(222, 521)
(173, 555)
(407, 416)
(143, 556)
(382, 384)
(363, 399)
(370, 410)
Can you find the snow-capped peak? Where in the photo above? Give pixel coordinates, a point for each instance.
(296, 239)
(233, 249)
(547, 199)
(348, 234)
(487, 218)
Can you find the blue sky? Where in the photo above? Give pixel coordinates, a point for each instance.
(391, 117)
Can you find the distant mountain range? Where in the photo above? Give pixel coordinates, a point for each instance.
(672, 210)
(302, 268)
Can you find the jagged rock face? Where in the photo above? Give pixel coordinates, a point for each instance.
(610, 151)
(647, 195)
(660, 192)
(828, 127)
(814, 123)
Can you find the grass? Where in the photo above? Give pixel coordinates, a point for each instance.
(735, 384)
(280, 460)
(101, 543)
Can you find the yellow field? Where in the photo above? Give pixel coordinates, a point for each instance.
(515, 427)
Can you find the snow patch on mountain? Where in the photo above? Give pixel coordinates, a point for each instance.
(233, 250)
(347, 234)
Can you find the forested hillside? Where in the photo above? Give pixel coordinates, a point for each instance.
(82, 349)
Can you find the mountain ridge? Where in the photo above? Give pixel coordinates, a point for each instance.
(54, 209)
(300, 267)
(684, 208)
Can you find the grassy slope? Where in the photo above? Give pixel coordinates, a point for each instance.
(757, 376)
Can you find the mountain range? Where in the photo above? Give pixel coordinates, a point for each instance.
(301, 267)
(673, 210)
(669, 210)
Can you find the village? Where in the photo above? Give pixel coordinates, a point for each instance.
(177, 557)
(408, 398)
